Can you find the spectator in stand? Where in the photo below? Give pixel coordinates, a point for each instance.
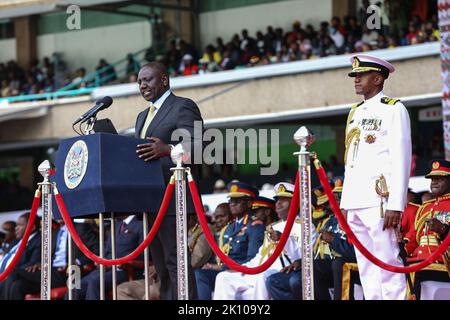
(294, 35)
(260, 43)
(220, 45)
(412, 33)
(403, 40)
(47, 68)
(203, 67)
(106, 72)
(235, 52)
(186, 48)
(246, 55)
(382, 42)
(278, 41)
(226, 63)
(337, 33)
(188, 67)
(327, 47)
(311, 35)
(349, 46)
(133, 66)
(369, 35)
(366, 47)
(363, 13)
(392, 42)
(6, 89)
(211, 58)
(79, 79)
(352, 27)
(294, 52)
(247, 41)
(172, 59)
(269, 38)
(384, 15)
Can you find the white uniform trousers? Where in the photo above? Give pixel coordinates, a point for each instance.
(377, 283)
(239, 286)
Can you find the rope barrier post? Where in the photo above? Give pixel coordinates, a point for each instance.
(46, 240)
(101, 229)
(113, 256)
(178, 155)
(146, 257)
(70, 263)
(304, 138)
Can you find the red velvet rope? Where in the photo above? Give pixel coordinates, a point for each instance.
(227, 260)
(23, 244)
(351, 236)
(110, 262)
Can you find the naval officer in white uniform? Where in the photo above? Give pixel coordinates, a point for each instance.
(377, 166)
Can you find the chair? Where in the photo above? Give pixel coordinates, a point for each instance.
(347, 269)
(434, 290)
(58, 293)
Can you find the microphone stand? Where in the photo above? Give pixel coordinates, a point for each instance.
(89, 129)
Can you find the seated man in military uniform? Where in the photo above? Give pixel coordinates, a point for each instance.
(287, 284)
(232, 285)
(431, 226)
(240, 239)
(328, 272)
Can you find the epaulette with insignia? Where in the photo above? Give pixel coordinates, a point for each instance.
(389, 101)
(356, 105)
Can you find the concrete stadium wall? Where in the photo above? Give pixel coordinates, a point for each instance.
(84, 48)
(293, 92)
(225, 23)
(8, 50)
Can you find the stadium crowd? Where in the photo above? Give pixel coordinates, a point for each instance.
(401, 25)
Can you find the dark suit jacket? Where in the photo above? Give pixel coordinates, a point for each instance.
(32, 253)
(89, 238)
(126, 241)
(175, 113)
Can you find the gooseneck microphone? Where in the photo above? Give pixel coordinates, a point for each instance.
(101, 104)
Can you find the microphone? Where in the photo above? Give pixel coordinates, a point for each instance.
(101, 104)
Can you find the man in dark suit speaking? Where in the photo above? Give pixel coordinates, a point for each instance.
(166, 114)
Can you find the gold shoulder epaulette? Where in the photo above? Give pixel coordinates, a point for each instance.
(390, 101)
(444, 197)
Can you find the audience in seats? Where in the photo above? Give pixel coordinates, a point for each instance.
(30, 256)
(28, 280)
(239, 240)
(129, 234)
(232, 285)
